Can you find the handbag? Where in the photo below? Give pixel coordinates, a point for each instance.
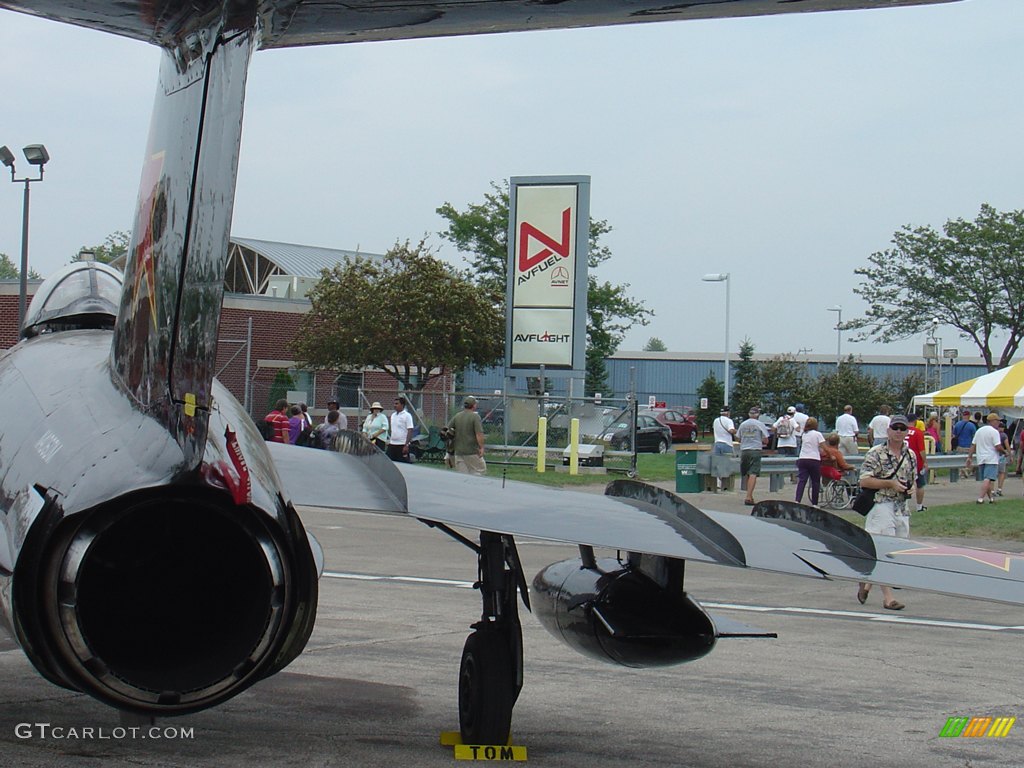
(865, 500)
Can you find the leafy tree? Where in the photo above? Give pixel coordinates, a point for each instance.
(654, 344)
(283, 383)
(114, 247)
(714, 391)
(968, 277)
(481, 230)
(784, 382)
(410, 314)
(10, 271)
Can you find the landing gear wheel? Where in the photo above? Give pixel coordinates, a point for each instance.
(487, 689)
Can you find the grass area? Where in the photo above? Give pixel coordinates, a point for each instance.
(650, 466)
(1003, 520)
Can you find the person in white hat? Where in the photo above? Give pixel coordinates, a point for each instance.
(375, 426)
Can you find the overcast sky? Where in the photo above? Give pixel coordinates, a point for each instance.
(783, 150)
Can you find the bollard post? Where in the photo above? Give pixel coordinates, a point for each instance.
(574, 447)
(542, 443)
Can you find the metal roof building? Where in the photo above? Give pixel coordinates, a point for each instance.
(284, 270)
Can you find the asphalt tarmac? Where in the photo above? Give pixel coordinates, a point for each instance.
(843, 686)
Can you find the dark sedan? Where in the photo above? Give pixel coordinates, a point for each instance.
(650, 435)
(682, 425)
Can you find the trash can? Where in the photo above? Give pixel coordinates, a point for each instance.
(687, 480)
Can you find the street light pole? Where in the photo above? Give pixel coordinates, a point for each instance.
(839, 333)
(720, 278)
(36, 155)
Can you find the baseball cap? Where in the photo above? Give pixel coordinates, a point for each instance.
(992, 417)
(791, 409)
(899, 418)
(754, 412)
(725, 409)
(469, 400)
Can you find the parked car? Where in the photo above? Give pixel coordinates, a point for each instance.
(682, 425)
(650, 435)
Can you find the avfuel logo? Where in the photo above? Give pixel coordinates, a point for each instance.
(548, 256)
(543, 338)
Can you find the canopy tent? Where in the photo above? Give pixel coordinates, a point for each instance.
(1001, 391)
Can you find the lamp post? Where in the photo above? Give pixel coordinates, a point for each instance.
(36, 155)
(723, 277)
(839, 333)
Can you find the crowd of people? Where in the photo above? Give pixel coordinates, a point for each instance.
(895, 466)
(393, 435)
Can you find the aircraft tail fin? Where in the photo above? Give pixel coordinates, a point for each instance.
(165, 338)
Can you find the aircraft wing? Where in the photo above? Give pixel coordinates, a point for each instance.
(307, 22)
(780, 537)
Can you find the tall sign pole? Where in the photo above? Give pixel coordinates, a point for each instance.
(546, 298)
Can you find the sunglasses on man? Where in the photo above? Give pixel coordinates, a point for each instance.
(899, 427)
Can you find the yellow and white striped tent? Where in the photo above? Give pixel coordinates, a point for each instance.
(1001, 391)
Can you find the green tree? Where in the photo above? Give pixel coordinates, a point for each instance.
(785, 382)
(283, 383)
(481, 230)
(747, 387)
(9, 270)
(968, 277)
(654, 344)
(410, 314)
(714, 391)
(114, 247)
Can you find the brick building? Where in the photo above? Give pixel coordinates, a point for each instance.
(266, 284)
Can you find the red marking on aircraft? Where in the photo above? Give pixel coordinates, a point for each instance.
(145, 265)
(1000, 560)
(528, 231)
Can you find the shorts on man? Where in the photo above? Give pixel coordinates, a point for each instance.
(750, 463)
(885, 520)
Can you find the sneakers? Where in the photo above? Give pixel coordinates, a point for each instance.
(922, 508)
(999, 492)
(991, 500)
(981, 501)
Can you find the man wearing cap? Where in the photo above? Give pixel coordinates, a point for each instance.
(988, 447)
(753, 435)
(724, 429)
(799, 424)
(785, 431)
(468, 439)
(890, 469)
(375, 426)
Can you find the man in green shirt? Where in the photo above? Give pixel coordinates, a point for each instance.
(468, 440)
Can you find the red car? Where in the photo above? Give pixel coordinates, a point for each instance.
(683, 425)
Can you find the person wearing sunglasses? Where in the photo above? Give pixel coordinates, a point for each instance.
(890, 469)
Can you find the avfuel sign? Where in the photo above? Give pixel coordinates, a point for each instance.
(548, 235)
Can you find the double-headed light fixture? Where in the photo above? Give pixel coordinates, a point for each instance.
(36, 155)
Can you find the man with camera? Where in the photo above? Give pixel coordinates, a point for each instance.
(890, 469)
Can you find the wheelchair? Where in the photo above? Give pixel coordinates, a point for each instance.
(837, 492)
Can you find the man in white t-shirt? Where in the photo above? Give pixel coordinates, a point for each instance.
(724, 429)
(987, 446)
(847, 429)
(800, 422)
(401, 431)
(879, 426)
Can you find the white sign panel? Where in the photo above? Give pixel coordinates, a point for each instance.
(542, 337)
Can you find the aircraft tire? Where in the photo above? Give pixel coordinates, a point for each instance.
(486, 689)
